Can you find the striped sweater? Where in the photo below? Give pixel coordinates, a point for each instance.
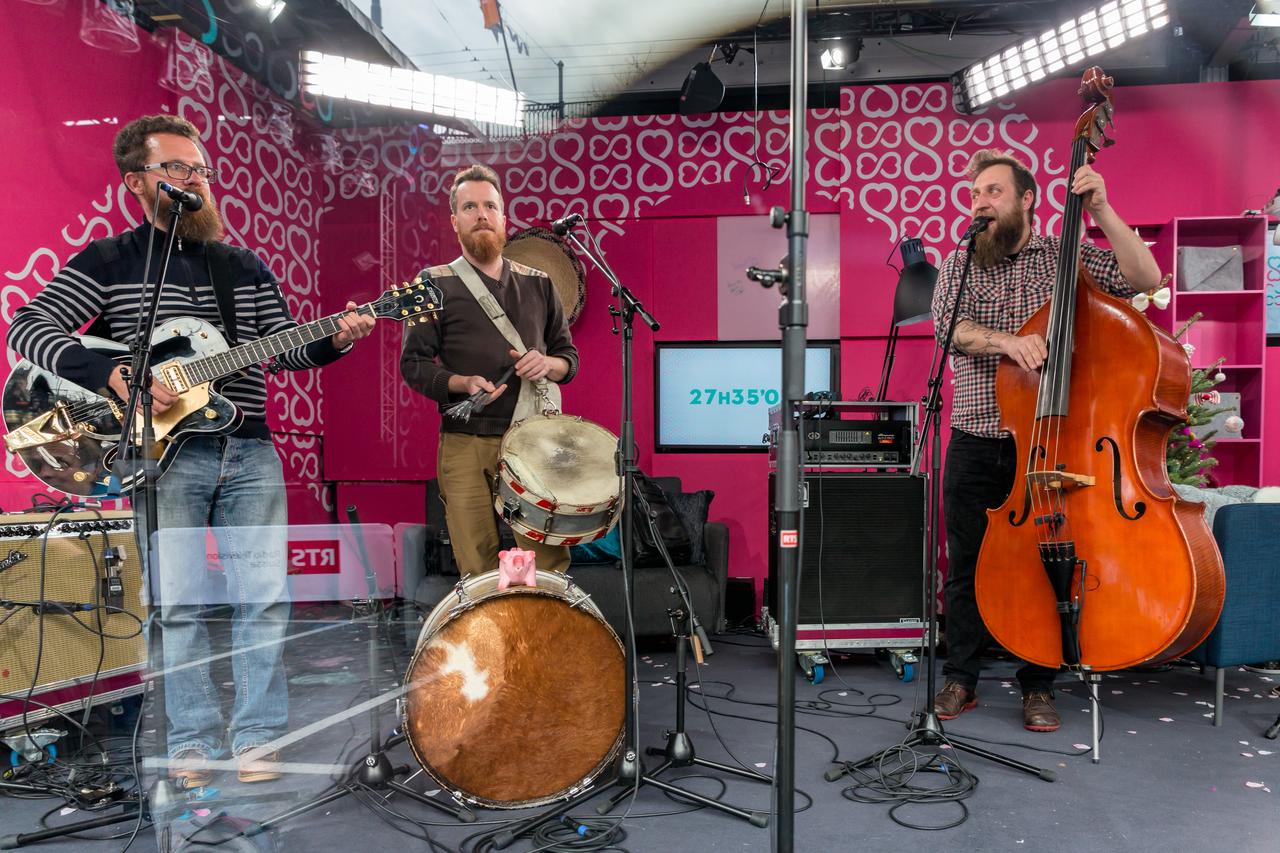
(104, 281)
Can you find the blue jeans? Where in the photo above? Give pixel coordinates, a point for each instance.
(233, 487)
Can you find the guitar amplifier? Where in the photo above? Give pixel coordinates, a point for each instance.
(84, 644)
(862, 561)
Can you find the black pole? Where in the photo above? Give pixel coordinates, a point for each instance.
(793, 317)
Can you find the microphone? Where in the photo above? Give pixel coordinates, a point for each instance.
(564, 224)
(191, 201)
(976, 227)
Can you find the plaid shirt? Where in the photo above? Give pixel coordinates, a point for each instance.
(1004, 297)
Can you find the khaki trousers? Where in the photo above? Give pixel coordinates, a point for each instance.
(464, 467)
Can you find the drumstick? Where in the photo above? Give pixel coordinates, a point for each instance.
(476, 402)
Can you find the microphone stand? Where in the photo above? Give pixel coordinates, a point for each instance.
(162, 794)
(926, 728)
(629, 769)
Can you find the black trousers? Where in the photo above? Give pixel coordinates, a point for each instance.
(978, 476)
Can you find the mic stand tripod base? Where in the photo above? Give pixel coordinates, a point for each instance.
(679, 751)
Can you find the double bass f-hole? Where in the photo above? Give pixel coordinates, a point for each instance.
(1139, 508)
(1018, 521)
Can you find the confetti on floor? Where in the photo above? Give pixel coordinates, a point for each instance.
(1132, 732)
(1166, 719)
(1081, 746)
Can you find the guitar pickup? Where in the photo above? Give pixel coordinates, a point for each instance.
(172, 374)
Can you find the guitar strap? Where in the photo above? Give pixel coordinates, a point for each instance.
(527, 403)
(218, 256)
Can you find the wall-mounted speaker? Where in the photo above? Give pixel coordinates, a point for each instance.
(702, 91)
(84, 644)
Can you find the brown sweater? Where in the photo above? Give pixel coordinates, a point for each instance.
(464, 341)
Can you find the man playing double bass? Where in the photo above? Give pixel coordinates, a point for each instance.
(466, 353)
(1012, 275)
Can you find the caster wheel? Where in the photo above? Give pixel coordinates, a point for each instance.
(818, 674)
(907, 673)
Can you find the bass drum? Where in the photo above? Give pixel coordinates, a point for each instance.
(557, 479)
(514, 698)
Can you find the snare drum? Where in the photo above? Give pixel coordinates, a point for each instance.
(557, 479)
(515, 698)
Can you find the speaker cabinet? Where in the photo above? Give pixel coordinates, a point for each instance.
(49, 652)
(862, 558)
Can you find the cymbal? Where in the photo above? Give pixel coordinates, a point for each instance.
(541, 249)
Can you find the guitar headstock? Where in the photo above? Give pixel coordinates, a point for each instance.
(413, 302)
(1095, 88)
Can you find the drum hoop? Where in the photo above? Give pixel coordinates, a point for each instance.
(524, 493)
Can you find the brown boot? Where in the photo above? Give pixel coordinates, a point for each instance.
(954, 699)
(1038, 713)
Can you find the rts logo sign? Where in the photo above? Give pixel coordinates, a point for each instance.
(317, 557)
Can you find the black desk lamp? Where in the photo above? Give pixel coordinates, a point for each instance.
(911, 301)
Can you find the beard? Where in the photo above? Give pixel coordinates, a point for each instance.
(484, 245)
(1000, 239)
(203, 225)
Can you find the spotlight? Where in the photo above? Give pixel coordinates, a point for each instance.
(839, 54)
(276, 8)
(1017, 67)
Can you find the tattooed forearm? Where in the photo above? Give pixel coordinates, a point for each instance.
(972, 339)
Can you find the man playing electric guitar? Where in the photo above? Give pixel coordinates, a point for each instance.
(219, 481)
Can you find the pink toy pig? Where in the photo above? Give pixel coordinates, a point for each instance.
(516, 568)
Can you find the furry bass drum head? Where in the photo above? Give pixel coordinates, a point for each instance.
(515, 697)
(539, 248)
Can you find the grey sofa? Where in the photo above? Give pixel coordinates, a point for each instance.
(428, 575)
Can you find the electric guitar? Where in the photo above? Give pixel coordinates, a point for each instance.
(69, 436)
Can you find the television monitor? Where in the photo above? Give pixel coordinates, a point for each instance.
(715, 396)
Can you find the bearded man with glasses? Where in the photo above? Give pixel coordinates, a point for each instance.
(232, 483)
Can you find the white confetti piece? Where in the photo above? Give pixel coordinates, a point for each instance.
(695, 686)
(945, 746)
(762, 765)
(1244, 689)
(1243, 742)
(1247, 754)
(1255, 784)
(1006, 684)
(1116, 692)
(1267, 678)
(1176, 692)
(1153, 681)
(1081, 746)
(1166, 719)
(1132, 732)
(1207, 715)
(433, 792)
(1265, 752)
(843, 693)
(66, 810)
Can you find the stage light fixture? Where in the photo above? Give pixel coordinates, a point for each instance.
(833, 57)
(1081, 38)
(403, 88)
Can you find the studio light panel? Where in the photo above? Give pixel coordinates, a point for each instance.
(333, 76)
(1097, 30)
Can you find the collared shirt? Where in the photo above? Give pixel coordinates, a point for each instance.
(1004, 297)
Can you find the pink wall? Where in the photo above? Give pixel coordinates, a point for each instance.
(888, 162)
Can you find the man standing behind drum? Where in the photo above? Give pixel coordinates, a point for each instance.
(465, 353)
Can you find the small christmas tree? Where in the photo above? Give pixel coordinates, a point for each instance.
(1188, 456)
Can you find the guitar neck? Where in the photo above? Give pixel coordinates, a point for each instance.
(255, 352)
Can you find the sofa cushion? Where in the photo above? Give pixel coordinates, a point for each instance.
(692, 508)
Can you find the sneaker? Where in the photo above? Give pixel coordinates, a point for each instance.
(1038, 713)
(190, 768)
(253, 765)
(954, 699)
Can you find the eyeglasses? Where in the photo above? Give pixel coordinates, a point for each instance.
(177, 171)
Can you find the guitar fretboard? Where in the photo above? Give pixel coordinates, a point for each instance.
(255, 352)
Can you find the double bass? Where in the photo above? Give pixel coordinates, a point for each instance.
(1093, 561)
